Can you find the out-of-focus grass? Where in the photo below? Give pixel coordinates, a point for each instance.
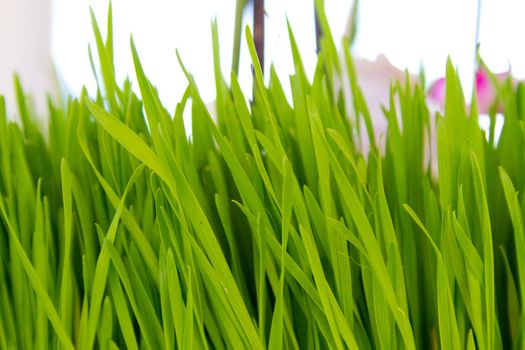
(267, 228)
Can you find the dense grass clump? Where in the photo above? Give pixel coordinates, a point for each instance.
(267, 228)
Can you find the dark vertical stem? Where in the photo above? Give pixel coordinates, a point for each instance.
(318, 29)
(258, 29)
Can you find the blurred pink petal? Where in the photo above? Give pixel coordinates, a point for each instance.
(374, 78)
(437, 92)
(485, 92)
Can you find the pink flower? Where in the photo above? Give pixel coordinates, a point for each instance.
(485, 92)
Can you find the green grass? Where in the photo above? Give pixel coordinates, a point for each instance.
(268, 227)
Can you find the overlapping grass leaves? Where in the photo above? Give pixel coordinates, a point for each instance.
(266, 228)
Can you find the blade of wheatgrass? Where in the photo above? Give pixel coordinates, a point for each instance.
(323, 287)
(276, 330)
(391, 240)
(121, 274)
(237, 34)
(127, 218)
(304, 135)
(121, 309)
(327, 41)
(344, 147)
(175, 296)
(216, 338)
(292, 266)
(446, 317)
(106, 324)
(224, 312)
(451, 137)
(338, 251)
(360, 105)
(103, 264)
(5, 149)
(160, 122)
(488, 257)
(136, 146)
(188, 340)
(519, 232)
(29, 128)
(370, 243)
(452, 260)
(224, 210)
(242, 111)
(471, 345)
(167, 318)
(131, 141)
(7, 323)
(109, 36)
(475, 276)
(272, 272)
(335, 256)
(263, 173)
(151, 323)
(297, 60)
(34, 279)
(337, 328)
(240, 177)
(470, 252)
(20, 209)
(3, 115)
(220, 85)
(66, 287)
(513, 303)
(259, 81)
(84, 313)
(105, 57)
(85, 217)
(156, 115)
(112, 345)
(41, 264)
(275, 155)
(212, 249)
(200, 296)
(261, 276)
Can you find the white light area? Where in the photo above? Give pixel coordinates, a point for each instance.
(70, 37)
(158, 29)
(484, 123)
(410, 33)
(502, 33)
(163, 26)
(337, 13)
(420, 33)
(278, 51)
(423, 33)
(25, 27)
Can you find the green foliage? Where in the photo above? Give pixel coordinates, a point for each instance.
(268, 227)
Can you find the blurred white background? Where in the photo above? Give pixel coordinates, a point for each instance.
(410, 33)
(25, 47)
